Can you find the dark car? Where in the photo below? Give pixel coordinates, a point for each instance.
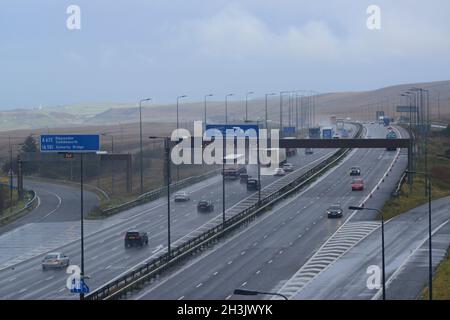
(135, 239)
(355, 171)
(335, 211)
(205, 206)
(253, 184)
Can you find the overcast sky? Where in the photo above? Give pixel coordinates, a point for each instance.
(127, 49)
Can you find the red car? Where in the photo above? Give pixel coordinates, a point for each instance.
(358, 184)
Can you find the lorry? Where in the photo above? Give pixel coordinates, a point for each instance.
(391, 135)
(234, 169)
(327, 133)
(386, 121)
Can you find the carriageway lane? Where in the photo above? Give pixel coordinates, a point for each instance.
(56, 202)
(105, 255)
(272, 248)
(406, 250)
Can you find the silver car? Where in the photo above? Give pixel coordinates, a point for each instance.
(55, 260)
(181, 196)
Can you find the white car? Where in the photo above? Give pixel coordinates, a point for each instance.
(279, 172)
(181, 196)
(56, 260)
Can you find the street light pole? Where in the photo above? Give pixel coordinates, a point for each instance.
(178, 102)
(266, 112)
(246, 104)
(382, 243)
(168, 182)
(226, 106)
(204, 118)
(281, 112)
(140, 144)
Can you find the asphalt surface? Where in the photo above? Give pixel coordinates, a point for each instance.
(272, 248)
(105, 255)
(406, 250)
(56, 203)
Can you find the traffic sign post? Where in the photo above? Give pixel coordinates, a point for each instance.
(68, 144)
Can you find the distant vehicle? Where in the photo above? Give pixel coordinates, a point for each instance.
(336, 136)
(253, 184)
(386, 121)
(136, 239)
(55, 260)
(309, 151)
(181, 196)
(391, 135)
(290, 152)
(243, 177)
(288, 167)
(355, 171)
(358, 185)
(372, 122)
(278, 172)
(335, 211)
(205, 206)
(344, 133)
(234, 169)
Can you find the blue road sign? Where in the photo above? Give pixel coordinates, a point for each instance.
(288, 131)
(70, 143)
(235, 130)
(79, 287)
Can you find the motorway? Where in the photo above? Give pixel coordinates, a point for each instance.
(271, 249)
(105, 255)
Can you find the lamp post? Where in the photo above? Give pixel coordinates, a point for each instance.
(226, 106)
(246, 104)
(266, 113)
(281, 112)
(204, 117)
(382, 243)
(140, 143)
(257, 159)
(430, 256)
(244, 292)
(178, 102)
(112, 152)
(168, 182)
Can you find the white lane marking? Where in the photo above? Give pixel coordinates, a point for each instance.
(108, 267)
(23, 290)
(12, 279)
(94, 258)
(57, 206)
(230, 262)
(199, 285)
(62, 289)
(49, 278)
(270, 261)
(158, 248)
(242, 253)
(181, 298)
(258, 272)
(244, 284)
(228, 297)
(215, 273)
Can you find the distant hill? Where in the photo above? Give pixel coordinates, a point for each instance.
(360, 105)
